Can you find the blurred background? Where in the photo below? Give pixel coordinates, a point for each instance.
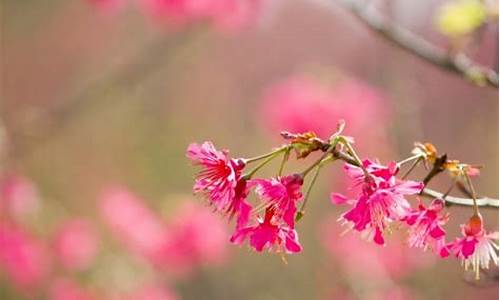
(101, 98)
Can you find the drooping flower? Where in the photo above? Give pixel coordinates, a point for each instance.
(381, 200)
(426, 226)
(475, 248)
(270, 234)
(76, 244)
(220, 180)
(282, 193)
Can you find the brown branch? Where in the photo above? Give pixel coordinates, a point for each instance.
(459, 64)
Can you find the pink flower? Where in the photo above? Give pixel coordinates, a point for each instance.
(426, 226)
(476, 248)
(133, 223)
(220, 180)
(381, 200)
(239, 206)
(269, 234)
(303, 103)
(230, 15)
(18, 196)
(225, 14)
(75, 244)
(23, 258)
(282, 193)
(197, 237)
(66, 289)
(300, 104)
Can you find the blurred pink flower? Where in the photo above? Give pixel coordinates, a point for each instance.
(381, 200)
(282, 193)
(224, 14)
(66, 289)
(23, 258)
(133, 223)
(151, 292)
(18, 196)
(230, 15)
(197, 237)
(220, 179)
(475, 248)
(426, 226)
(76, 244)
(366, 259)
(269, 234)
(302, 104)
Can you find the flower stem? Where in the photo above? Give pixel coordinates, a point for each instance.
(268, 158)
(473, 192)
(417, 157)
(345, 157)
(301, 212)
(351, 151)
(316, 163)
(286, 155)
(448, 191)
(263, 156)
(415, 163)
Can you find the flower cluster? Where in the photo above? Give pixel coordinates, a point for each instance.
(222, 181)
(383, 202)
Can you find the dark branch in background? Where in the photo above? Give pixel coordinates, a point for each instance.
(56, 117)
(128, 75)
(459, 64)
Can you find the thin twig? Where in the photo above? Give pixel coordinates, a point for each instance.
(302, 210)
(412, 167)
(459, 64)
(485, 201)
(473, 192)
